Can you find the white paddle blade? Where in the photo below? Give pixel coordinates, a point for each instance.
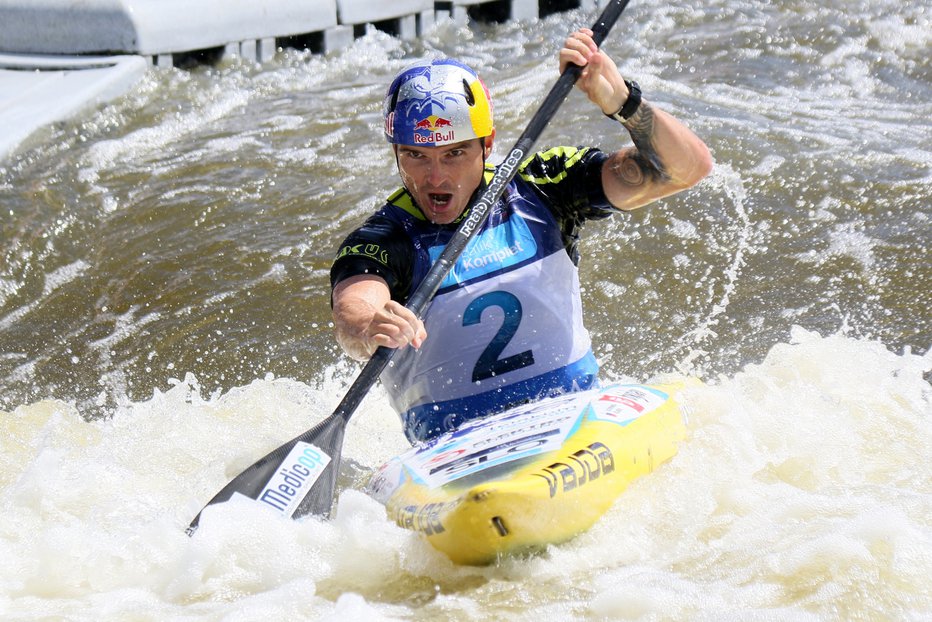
(296, 479)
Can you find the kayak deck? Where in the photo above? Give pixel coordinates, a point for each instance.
(535, 475)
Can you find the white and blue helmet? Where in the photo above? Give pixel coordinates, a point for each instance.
(437, 102)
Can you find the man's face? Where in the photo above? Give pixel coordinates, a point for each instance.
(442, 179)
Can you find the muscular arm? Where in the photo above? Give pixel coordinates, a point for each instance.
(365, 317)
(666, 157)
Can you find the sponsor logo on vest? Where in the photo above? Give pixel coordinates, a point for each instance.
(500, 247)
(303, 466)
(493, 258)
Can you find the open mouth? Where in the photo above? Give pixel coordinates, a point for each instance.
(440, 201)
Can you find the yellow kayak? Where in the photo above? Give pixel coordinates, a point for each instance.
(535, 475)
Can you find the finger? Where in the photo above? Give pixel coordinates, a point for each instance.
(396, 326)
(581, 45)
(392, 335)
(578, 49)
(420, 335)
(407, 315)
(584, 37)
(569, 56)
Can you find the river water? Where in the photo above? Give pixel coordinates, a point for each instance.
(164, 322)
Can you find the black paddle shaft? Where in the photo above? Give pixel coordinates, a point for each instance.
(327, 435)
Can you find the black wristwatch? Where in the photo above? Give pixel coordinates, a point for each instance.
(631, 104)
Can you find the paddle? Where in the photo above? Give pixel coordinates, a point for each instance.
(299, 477)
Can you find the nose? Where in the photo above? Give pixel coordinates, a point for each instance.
(435, 173)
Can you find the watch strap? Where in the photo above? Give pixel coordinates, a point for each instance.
(631, 104)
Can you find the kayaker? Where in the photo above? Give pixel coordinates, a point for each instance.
(506, 325)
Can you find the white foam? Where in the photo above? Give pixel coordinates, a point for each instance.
(800, 475)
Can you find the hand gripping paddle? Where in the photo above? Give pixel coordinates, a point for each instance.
(299, 477)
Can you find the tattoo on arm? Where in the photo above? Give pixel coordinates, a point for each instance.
(637, 166)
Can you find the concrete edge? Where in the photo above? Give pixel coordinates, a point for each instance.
(36, 91)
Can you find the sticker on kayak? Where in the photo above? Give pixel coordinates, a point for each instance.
(527, 431)
(294, 478)
(625, 403)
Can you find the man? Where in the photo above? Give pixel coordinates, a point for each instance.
(506, 326)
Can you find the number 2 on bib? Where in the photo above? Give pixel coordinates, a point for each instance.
(489, 363)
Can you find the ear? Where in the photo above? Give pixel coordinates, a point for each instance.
(489, 140)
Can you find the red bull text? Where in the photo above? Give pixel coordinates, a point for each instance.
(434, 125)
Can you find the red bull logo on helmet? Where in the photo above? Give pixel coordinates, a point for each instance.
(434, 130)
